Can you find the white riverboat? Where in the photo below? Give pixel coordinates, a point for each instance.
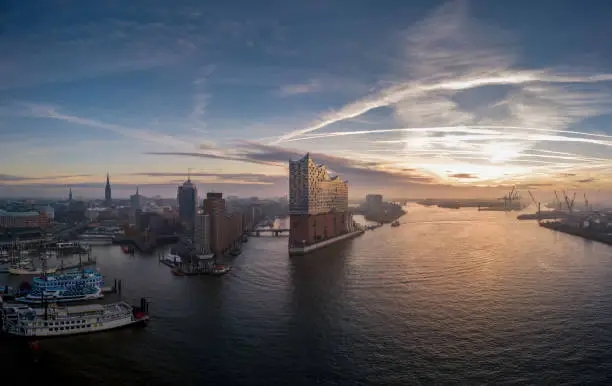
(23, 321)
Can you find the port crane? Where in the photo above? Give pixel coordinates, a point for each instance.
(537, 203)
(588, 207)
(512, 196)
(558, 203)
(569, 203)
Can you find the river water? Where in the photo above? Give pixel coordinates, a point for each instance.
(450, 296)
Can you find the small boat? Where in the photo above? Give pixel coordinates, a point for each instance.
(22, 321)
(395, 223)
(71, 294)
(19, 270)
(219, 270)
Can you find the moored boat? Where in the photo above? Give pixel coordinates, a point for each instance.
(219, 270)
(69, 279)
(20, 270)
(25, 322)
(70, 294)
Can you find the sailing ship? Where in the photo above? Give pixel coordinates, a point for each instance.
(23, 321)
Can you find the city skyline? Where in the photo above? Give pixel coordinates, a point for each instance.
(427, 99)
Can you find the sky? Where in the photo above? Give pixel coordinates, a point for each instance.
(404, 98)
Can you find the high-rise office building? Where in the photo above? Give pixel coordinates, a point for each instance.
(214, 207)
(202, 233)
(225, 228)
(187, 197)
(136, 201)
(318, 203)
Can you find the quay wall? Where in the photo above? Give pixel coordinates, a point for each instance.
(581, 232)
(302, 250)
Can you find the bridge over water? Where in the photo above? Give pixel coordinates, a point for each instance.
(257, 232)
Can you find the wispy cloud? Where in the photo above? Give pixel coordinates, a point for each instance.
(51, 112)
(462, 175)
(357, 171)
(13, 178)
(302, 88)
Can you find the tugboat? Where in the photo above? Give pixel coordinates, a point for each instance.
(395, 223)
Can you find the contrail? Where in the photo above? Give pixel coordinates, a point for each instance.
(395, 94)
(470, 129)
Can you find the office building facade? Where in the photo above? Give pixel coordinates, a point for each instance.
(187, 198)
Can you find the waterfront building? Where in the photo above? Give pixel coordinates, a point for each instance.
(214, 207)
(226, 229)
(318, 203)
(201, 234)
(187, 197)
(29, 219)
(107, 190)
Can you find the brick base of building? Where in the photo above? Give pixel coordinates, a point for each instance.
(307, 229)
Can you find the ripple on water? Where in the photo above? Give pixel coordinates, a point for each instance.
(450, 297)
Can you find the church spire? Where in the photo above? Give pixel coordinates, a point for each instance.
(107, 189)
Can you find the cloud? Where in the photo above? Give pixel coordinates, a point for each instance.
(11, 178)
(462, 175)
(50, 112)
(356, 171)
(461, 98)
(242, 177)
(303, 88)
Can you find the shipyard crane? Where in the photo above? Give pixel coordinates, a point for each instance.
(586, 203)
(568, 203)
(558, 201)
(537, 204)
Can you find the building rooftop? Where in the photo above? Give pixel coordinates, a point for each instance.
(19, 214)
